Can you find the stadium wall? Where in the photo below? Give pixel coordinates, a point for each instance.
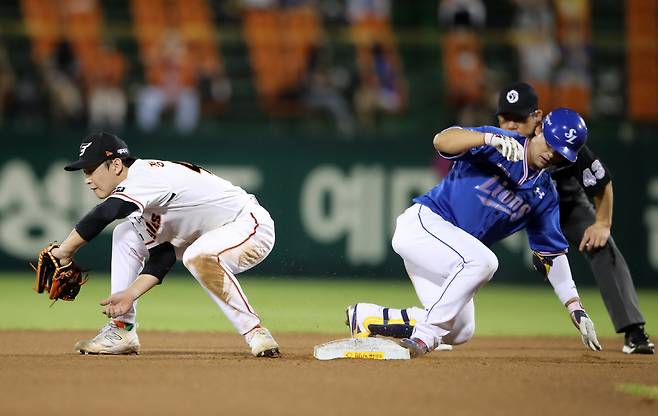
(334, 202)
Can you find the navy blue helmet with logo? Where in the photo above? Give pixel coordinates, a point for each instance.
(565, 132)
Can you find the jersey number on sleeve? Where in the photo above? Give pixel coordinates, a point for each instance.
(590, 176)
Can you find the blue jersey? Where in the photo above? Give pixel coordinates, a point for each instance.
(491, 197)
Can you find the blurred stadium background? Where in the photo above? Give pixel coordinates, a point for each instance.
(324, 109)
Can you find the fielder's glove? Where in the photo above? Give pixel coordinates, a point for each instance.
(61, 282)
(586, 327)
(507, 146)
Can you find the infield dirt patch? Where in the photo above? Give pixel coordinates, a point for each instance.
(214, 374)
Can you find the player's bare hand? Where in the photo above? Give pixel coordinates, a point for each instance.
(586, 327)
(594, 237)
(511, 149)
(117, 304)
(64, 258)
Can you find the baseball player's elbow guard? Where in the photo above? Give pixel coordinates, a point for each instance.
(559, 274)
(161, 260)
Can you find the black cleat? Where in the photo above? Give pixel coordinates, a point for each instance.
(270, 353)
(636, 341)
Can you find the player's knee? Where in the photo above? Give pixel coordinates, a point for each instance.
(204, 267)
(399, 242)
(187, 258)
(462, 336)
(489, 263)
(484, 264)
(395, 242)
(194, 258)
(467, 334)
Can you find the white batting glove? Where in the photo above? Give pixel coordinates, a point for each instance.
(586, 327)
(507, 146)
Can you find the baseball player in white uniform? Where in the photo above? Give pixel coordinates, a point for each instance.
(174, 210)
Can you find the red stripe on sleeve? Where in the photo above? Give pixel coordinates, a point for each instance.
(127, 198)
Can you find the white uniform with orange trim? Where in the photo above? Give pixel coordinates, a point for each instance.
(217, 229)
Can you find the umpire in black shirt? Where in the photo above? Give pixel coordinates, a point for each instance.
(586, 226)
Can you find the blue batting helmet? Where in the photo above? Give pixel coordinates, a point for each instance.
(565, 132)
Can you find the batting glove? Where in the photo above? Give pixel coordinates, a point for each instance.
(586, 327)
(507, 146)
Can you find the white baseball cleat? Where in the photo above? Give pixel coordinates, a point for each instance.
(115, 338)
(443, 347)
(262, 343)
(353, 323)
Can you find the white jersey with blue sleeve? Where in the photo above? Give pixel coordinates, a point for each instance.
(490, 197)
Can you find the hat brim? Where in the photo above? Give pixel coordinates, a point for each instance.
(523, 113)
(83, 164)
(567, 153)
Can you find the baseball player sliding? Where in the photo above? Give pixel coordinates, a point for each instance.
(175, 211)
(585, 226)
(499, 184)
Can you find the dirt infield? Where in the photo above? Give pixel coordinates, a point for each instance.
(207, 373)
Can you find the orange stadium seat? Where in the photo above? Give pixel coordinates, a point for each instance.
(573, 32)
(78, 21)
(280, 42)
(642, 59)
(198, 32)
(261, 29)
(43, 26)
(154, 19)
(150, 23)
(370, 30)
(83, 29)
(463, 67)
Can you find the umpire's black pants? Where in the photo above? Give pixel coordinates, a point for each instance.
(608, 265)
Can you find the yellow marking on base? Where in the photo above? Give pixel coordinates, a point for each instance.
(374, 355)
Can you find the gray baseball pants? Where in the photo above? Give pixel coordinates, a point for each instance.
(607, 264)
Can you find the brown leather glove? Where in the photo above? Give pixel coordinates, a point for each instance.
(60, 281)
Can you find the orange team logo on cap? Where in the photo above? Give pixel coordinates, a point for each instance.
(108, 153)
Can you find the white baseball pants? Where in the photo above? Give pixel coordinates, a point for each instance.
(447, 266)
(213, 259)
(128, 256)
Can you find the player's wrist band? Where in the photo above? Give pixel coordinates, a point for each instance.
(574, 305)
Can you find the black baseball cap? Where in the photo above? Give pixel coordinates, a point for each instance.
(97, 148)
(519, 99)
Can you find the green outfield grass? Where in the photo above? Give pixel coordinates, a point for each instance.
(642, 390)
(299, 305)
